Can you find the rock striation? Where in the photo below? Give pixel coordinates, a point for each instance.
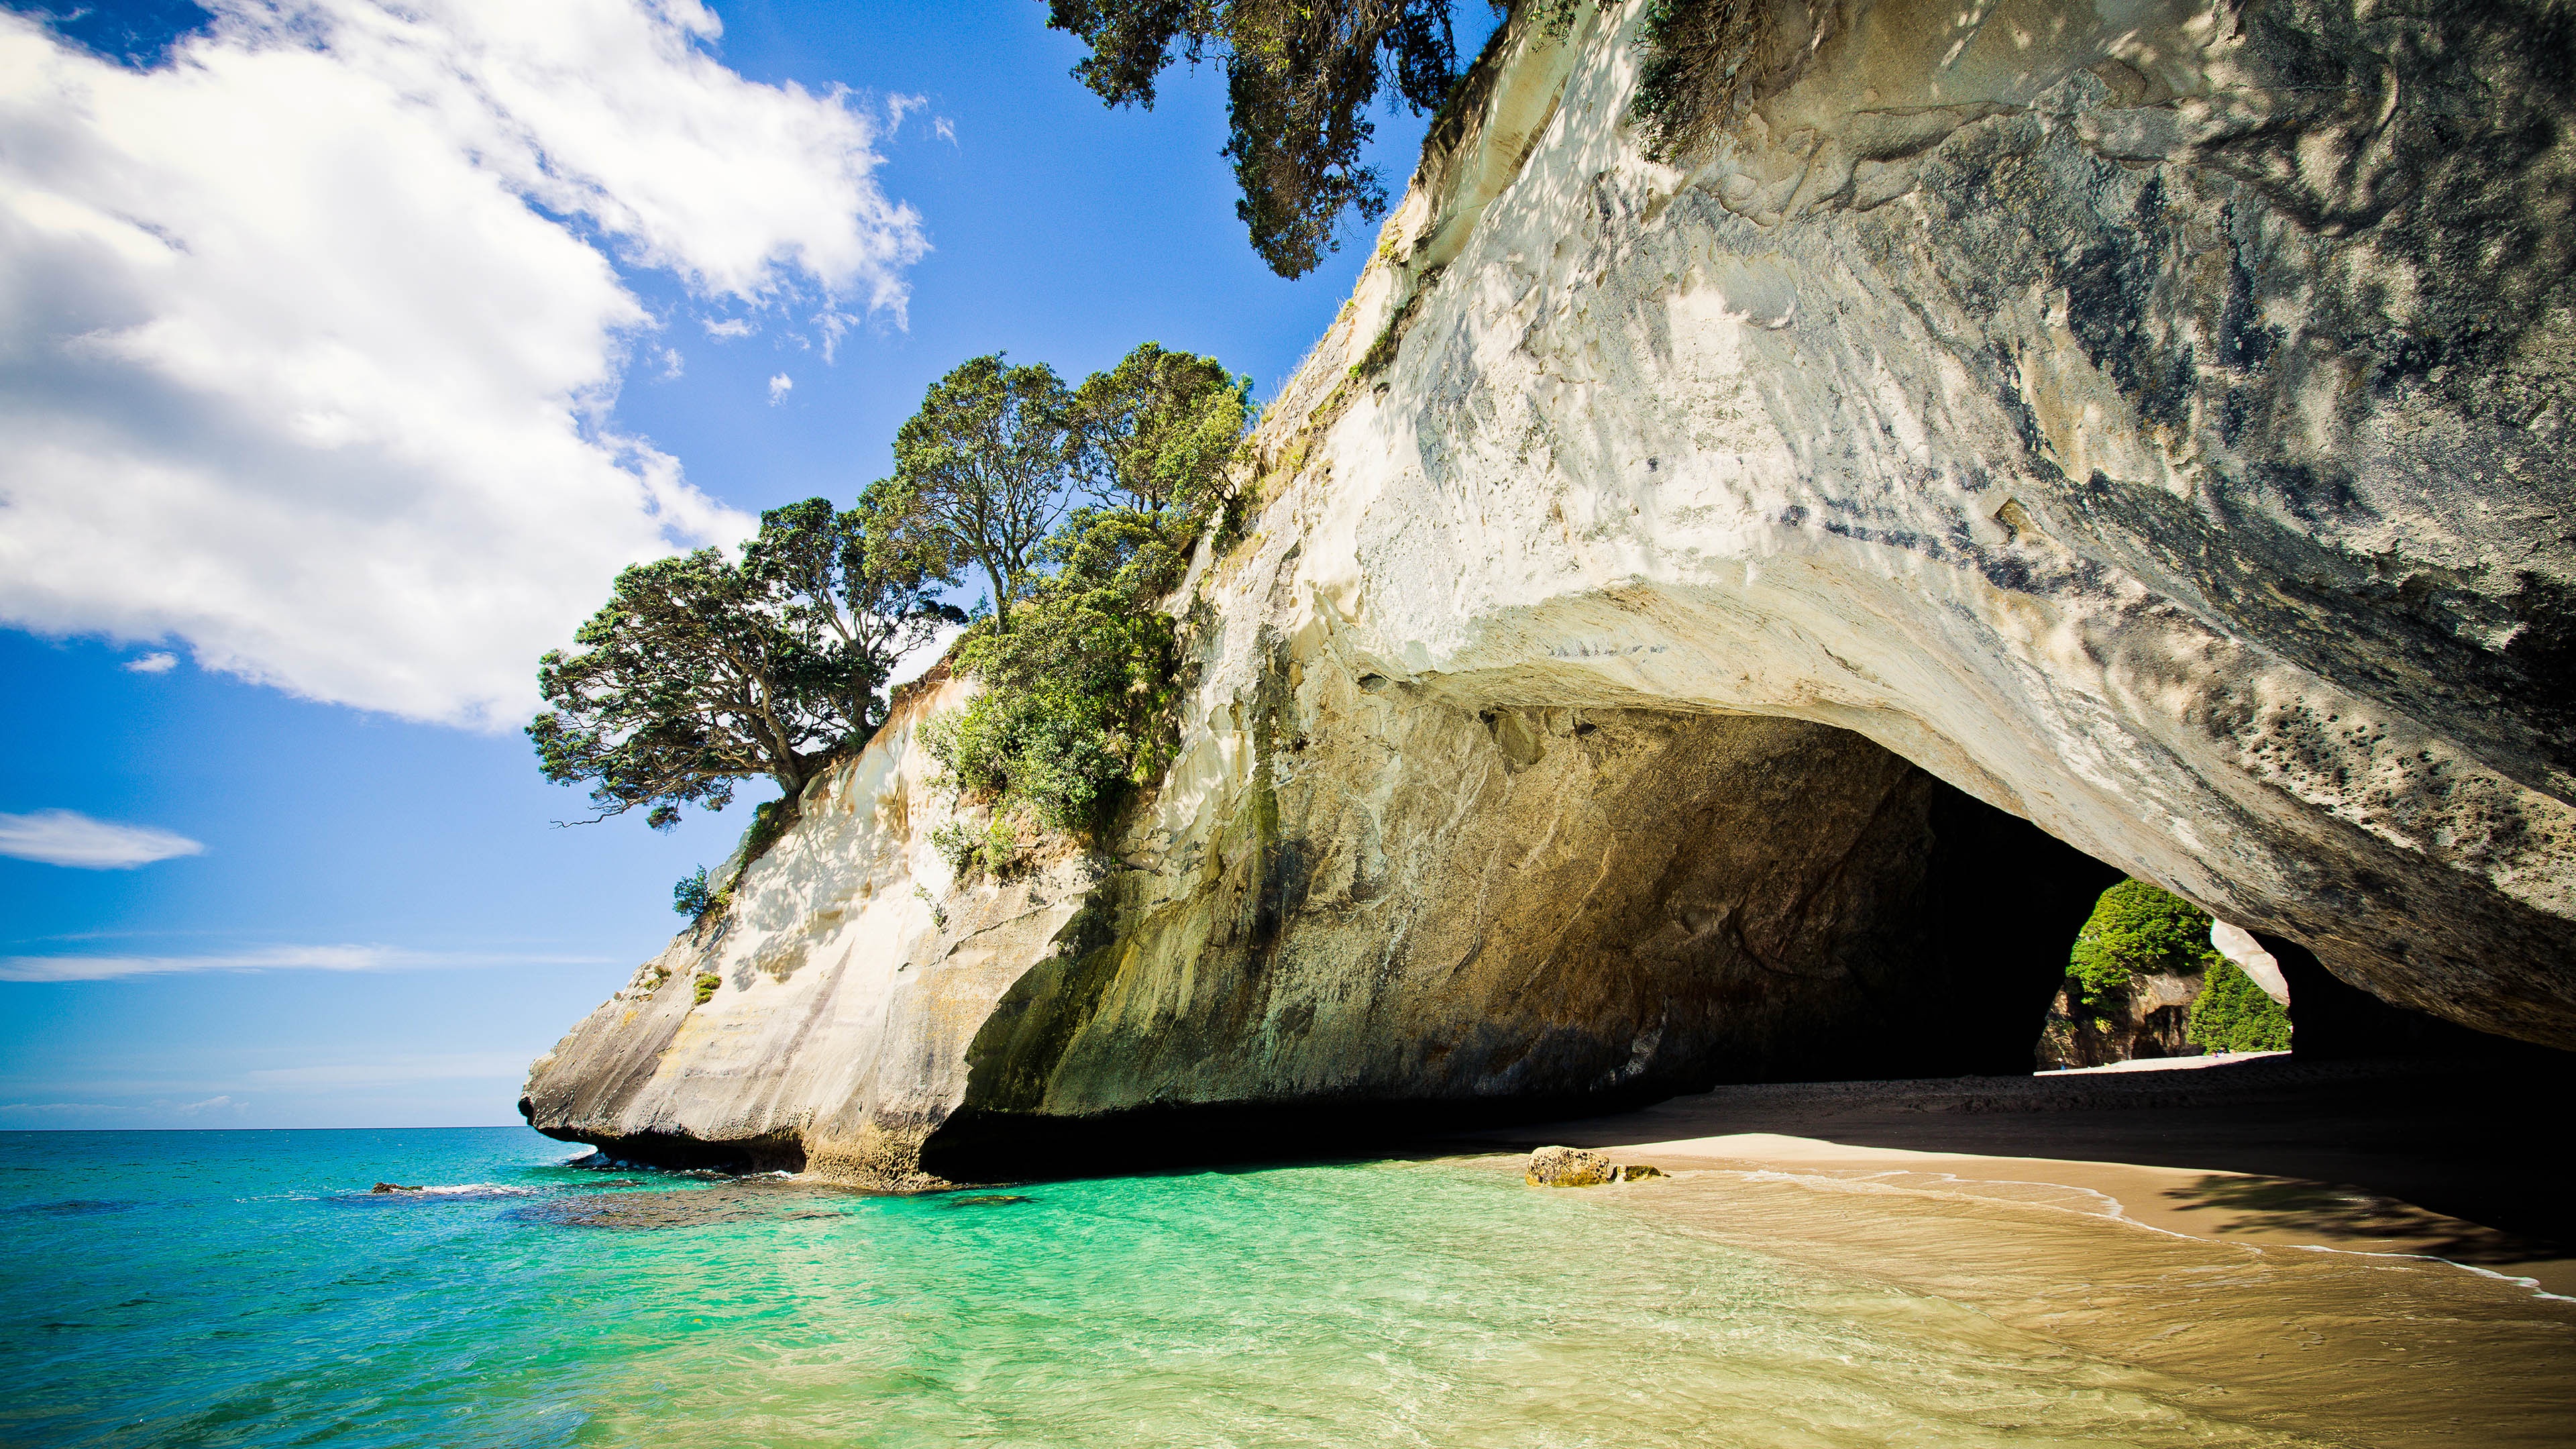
(1672, 586)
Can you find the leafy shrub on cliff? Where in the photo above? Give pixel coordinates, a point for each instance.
(967, 848)
(693, 897)
(2232, 1014)
(2136, 929)
(1696, 79)
(1078, 694)
(1080, 680)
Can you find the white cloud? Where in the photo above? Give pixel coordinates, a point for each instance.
(65, 837)
(280, 958)
(778, 388)
(211, 1104)
(308, 338)
(671, 364)
(152, 664)
(728, 329)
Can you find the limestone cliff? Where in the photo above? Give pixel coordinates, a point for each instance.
(2149, 421)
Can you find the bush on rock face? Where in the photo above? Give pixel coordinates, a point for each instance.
(693, 897)
(1079, 662)
(2136, 929)
(2232, 1014)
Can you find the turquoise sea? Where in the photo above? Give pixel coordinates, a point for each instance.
(246, 1288)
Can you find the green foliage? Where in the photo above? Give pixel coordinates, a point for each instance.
(693, 897)
(1080, 685)
(706, 988)
(1700, 57)
(701, 672)
(1160, 429)
(979, 476)
(768, 823)
(1300, 77)
(1077, 697)
(2232, 1014)
(2136, 929)
(992, 849)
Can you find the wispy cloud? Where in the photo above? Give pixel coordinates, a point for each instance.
(397, 1070)
(224, 1105)
(899, 106)
(728, 329)
(380, 473)
(279, 958)
(779, 387)
(66, 837)
(152, 664)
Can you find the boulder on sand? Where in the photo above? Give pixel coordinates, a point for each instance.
(1567, 1167)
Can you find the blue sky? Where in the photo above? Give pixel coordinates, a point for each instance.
(378, 925)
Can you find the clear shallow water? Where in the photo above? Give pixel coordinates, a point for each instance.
(245, 1288)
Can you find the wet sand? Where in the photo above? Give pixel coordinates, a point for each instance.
(2465, 1160)
(2257, 1233)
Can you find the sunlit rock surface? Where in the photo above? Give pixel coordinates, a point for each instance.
(2149, 420)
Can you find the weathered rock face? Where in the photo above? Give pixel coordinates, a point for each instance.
(2152, 419)
(1350, 895)
(2148, 1018)
(2149, 421)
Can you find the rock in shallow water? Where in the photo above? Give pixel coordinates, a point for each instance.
(1581, 1167)
(1568, 1167)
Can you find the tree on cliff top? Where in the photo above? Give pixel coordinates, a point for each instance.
(1299, 74)
(1160, 428)
(700, 672)
(980, 475)
(1079, 692)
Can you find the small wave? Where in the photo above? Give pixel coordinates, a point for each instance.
(2529, 1285)
(434, 1192)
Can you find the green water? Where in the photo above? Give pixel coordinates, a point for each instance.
(245, 1288)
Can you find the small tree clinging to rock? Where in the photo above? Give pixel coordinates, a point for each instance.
(701, 672)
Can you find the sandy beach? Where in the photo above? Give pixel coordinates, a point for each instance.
(2463, 1160)
(2368, 1252)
